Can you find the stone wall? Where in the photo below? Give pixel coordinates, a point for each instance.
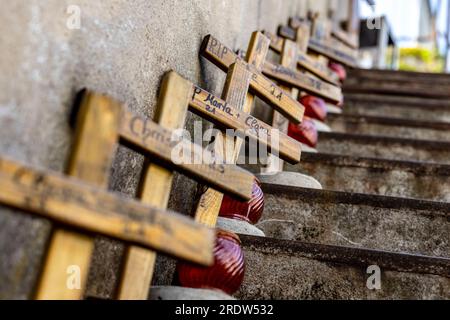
(122, 49)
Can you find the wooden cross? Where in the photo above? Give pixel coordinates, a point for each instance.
(240, 77)
(225, 115)
(331, 48)
(90, 160)
(265, 89)
(289, 59)
(102, 122)
(292, 55)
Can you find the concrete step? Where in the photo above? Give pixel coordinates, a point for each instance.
(412, 88)
(391, 127)
(407, 76)
(357, 220)
(397, 107)
(384, 147)
(280, 269)
(377, 176)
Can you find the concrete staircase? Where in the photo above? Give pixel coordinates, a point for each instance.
(385, 170)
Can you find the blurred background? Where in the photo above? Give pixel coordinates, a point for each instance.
(405, 35)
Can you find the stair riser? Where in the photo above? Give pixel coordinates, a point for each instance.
(343, 222)
(412, 112)
(398, 88)
(383, 148)
(387, 75)
(274, 275)
(376, 180)
(339, 124)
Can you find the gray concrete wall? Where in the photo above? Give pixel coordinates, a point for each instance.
(122, 49)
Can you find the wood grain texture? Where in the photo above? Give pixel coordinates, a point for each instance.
(288, 59)
(267, 90)
(91, 158)
(225, 115)
(303, 81)
(182, 155)
(235, 92)
(155, 187)
(74, 203)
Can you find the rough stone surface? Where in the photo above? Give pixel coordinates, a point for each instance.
(397, 109)
(364, 125)
(238, 227)
(384, 147)
(279, 229)
(122, 49)
(375, 176)
(405, 76)
(23, 242)
(272, 274)
(341, 219)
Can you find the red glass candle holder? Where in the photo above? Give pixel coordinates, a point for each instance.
(250, 211)
(306, 132)
(227, 272)
(315, 107)
(339, 69)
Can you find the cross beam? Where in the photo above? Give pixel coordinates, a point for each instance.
(151, 139)
(288, 58)
(89, 209)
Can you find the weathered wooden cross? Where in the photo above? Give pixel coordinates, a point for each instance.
(242, 76)
(81, 206)
(101, 124)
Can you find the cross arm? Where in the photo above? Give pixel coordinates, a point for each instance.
(267, 90)
(141, 133)
(74, 203)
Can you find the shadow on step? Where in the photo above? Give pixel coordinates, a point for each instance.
(279, 269)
